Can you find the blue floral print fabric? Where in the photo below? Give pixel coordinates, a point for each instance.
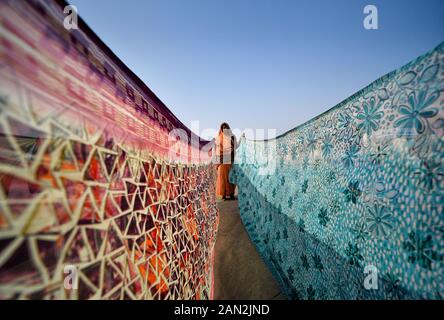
(352, 207)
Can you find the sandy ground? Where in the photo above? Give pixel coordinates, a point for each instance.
(239, 272)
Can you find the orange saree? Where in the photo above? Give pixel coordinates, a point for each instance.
(225, 146)
(223, 187)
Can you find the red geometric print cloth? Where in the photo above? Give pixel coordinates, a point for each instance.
(86, 177)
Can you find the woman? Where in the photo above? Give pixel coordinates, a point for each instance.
(225, 145)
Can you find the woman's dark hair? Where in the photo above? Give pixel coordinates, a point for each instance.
(224, 126)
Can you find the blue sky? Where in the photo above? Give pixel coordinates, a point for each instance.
(261, 64)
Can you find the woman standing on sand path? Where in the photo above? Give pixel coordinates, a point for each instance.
(225, 146)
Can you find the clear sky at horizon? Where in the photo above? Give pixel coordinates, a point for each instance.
(261, 64)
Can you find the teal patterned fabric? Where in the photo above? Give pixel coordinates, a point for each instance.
(360, 185)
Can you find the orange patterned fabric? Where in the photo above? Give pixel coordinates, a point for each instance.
(86, 178)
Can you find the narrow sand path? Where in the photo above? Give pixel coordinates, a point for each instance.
(239, 272)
